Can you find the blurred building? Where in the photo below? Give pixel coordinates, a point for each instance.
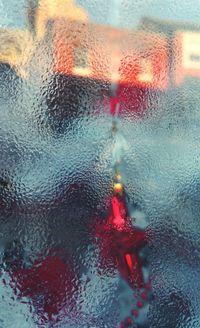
(52, 10)
(109, 54)
(166, 27)
(17, 45)
(183, 41)
(15, 48)
(157, 56)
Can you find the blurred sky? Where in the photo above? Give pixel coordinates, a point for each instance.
(127, 13)
(124, 13)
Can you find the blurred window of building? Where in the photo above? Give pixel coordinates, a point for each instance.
(81, 59)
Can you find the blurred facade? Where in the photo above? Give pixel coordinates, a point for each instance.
(15, 48)
(159, 55)
(123, 58)
(183, 41)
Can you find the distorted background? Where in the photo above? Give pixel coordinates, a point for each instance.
(63, 75)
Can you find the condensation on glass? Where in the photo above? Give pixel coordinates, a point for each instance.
(99, 165)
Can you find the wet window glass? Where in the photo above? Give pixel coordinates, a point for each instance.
(100, 162)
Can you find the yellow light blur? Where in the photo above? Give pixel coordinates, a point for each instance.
(118, 187)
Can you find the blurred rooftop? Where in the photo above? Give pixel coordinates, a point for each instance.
(166, 26)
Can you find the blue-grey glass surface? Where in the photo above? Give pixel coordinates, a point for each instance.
(56, 176)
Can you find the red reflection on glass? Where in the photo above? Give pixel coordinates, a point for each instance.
(48, 283)
(121, 242)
